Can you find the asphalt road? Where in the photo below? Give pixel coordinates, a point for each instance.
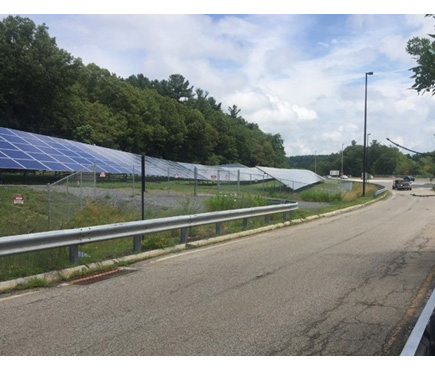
(352, 284)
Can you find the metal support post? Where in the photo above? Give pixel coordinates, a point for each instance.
(218, 228)
(74, 254)
(184, 234)
(137, 243)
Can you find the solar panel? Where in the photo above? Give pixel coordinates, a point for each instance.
(21, 150)
(293, 178)
(246, 174)
(24, 150)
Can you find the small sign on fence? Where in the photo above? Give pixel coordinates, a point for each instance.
(18, 199)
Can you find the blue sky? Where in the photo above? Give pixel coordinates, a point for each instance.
(297, 74)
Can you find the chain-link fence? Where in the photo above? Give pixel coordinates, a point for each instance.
(58, 204)
(68, 196)
(337, 186)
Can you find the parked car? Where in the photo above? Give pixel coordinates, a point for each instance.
(401, 185)
(409, 178)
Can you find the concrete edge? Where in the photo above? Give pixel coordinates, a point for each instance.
(65, 274)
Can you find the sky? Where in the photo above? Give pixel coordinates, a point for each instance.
(294, 72)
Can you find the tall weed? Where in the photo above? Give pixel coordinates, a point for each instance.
(223, 202)
(320, 196)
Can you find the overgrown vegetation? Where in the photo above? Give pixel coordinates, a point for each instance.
(320, 196)
(224, 202)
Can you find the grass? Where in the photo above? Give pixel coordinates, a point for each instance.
(32, 217)
(26, 218)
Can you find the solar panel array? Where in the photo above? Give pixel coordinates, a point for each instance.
(21, 150)
(293, 178)
(26, 151)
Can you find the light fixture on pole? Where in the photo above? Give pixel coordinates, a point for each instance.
(365, 138)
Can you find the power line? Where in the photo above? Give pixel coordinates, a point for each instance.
(413, 151)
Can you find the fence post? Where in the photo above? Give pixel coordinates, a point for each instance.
(49, 205)
(67, 199)
(238, 183)
(95, 181)
(143, 187)
(132, 181)
(81, 189)
(195, 185)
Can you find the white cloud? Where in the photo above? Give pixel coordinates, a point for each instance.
(301, 76)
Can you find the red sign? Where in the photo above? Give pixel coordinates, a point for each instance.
(18, 199)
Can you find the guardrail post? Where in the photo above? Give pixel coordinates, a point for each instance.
(267, 219)
(245, 223)
(74, 253)
(218, 228)
(284, 216)
(184, 234)
(137, 241)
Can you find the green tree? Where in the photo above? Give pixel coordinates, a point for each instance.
(173, 121)
(201, 138)
(35, 77)
(423, 51)
(176, 87)
(234, 111)
(386, 163)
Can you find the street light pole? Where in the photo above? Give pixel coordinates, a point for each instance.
(365, 138)
(368, 155)
(342, 159)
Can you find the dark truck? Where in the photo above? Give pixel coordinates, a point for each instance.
(401, 185)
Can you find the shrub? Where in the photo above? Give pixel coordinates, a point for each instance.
(155, 242)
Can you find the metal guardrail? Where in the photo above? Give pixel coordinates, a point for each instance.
(421, 342)
(73, 238)
(380, 191)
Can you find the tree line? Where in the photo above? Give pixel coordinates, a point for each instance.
(47, 91)
(381, 160)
